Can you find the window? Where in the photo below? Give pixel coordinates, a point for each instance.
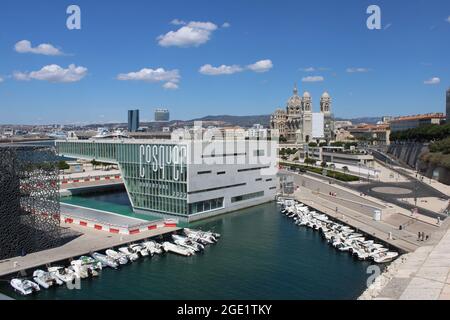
(224, 155)
(251, 169)
(247, 196)
(259, 179)
(218, 188)
(204, 172)
(206, 205)
(267, 180)
(272, 188)
(221, 172)
(258, 153)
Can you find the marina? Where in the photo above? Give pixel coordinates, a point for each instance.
(291, 263)
(341, 237)
(92, 265)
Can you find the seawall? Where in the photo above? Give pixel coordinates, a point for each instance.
(409, 153)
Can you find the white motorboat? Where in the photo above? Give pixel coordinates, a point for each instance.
(43, 279)
(24, 287)
(119, 257)
(354, 235)
(61, 273)
(384, 257)
(343, 247)
(105, 260)
(139, 250)
(188, 242)
(198, 238)
(79, 269)
(361, 254)
(153, 247)
(132, 256)
(170, 247)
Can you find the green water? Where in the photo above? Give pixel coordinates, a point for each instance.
(101, 201)
(261, 255)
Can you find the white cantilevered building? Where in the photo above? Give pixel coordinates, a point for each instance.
(187, 179)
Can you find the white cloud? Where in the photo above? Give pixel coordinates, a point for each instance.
(355, 70)
(309, 69)
(170, 77)
(261, 66)
(177, 22)
(448, 19)
(193, 34)
(170, 86)
(313, 79)
(54, 73)
(47, 49)
(434, 80)
(226, 25)
(209, 70)
(1, 79)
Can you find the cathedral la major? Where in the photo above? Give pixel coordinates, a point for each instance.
(299, 124)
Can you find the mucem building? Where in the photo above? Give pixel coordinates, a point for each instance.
(29, 200)
(188, 180)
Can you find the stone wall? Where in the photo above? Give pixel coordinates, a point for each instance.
(408, 152)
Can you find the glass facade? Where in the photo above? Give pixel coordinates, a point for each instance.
(207, 205)
(155, 175)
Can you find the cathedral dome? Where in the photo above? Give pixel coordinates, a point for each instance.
(306, 94)
(294, 103)
(325, 95)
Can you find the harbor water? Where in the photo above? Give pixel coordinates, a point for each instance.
(261, 255)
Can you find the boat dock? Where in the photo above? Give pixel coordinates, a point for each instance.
(402, 240)
(90, 240)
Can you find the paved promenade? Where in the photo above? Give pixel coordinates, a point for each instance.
(424, 275)
(89, 241)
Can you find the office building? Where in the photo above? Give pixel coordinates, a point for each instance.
(162, 115)
(133, 120)
(415, 121)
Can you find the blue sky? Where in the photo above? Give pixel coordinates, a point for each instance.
(292, 40)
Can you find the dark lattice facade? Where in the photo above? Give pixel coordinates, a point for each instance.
(29, 200)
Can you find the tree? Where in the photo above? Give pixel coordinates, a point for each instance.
(312, 144)
(62, 165)
(309, 161)
(345, 169)
(95, 163)
(323, 164)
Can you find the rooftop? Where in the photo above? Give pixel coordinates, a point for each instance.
(425, 116)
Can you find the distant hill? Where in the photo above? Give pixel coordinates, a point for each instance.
(227, 120)
(370, 120)
(248, 121)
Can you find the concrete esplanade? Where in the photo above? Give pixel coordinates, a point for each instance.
(90, 240)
